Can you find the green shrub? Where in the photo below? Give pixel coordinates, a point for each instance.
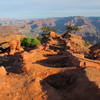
(86, 44)
(29, 42)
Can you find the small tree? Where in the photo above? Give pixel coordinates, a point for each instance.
(44, 36)
(69, 29)
(47, 29)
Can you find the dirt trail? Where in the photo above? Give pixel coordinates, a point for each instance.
(49, 83)
(84, 62)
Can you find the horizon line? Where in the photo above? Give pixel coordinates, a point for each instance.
(43, 17)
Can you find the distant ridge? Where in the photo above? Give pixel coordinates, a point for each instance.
(90, 25)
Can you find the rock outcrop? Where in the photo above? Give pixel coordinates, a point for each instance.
(3, 71)
(15, 46)
(10, 47)
(95, 52)
(71, 42)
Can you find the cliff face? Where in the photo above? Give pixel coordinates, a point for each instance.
(8, 30)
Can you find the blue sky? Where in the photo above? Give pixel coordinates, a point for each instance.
(48, 8)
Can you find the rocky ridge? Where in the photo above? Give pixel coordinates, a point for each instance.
(58, 71)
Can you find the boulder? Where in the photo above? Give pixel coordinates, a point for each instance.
(15, 47)
(89, 63)
(3, 72)
(52, 34)
(95, 51)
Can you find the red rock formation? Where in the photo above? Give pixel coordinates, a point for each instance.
(95, 51)
(3, 72)
(15, 47)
